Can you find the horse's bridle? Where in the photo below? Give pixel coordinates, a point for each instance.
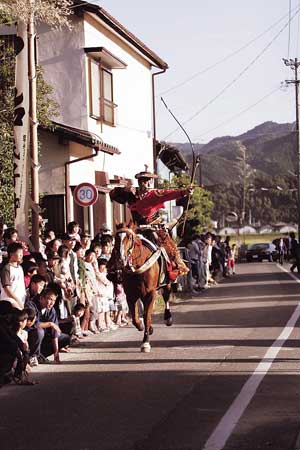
(128, 231)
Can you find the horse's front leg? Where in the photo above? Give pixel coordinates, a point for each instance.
(134, 312)
(148, 302)
(167, 314)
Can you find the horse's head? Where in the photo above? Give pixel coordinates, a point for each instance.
(124, 244)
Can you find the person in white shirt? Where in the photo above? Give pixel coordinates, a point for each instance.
(12, 277)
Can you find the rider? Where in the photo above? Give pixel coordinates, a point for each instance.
(144, 204)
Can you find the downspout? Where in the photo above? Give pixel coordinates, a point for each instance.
(67, 181)
(154, 118)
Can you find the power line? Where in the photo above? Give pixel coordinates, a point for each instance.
(232, 82)
(222, 60)
(235, 116)
(289, 34)
(298, 31)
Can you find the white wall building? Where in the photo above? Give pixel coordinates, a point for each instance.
(103, 80)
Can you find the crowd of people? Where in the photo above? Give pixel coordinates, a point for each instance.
(210, 258)
(54, 298)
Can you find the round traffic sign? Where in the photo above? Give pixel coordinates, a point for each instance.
(85, 194)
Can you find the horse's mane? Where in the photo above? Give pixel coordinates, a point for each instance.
(130, 225)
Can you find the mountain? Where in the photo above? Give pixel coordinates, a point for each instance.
(270, 151)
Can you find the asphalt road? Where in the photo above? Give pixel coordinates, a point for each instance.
(225, 375)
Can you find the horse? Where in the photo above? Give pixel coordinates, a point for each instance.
(140, 271)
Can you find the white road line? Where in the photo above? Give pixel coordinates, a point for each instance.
(222, 432)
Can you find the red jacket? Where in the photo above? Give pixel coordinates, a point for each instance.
(154, 200)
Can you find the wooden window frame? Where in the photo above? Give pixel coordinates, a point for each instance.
(102, 100)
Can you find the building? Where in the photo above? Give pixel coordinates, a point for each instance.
(103, 80)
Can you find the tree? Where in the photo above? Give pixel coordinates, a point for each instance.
(28, 13)
(46, 108)
(199, 212)
(53, 12)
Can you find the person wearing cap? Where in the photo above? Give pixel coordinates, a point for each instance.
(145, 203)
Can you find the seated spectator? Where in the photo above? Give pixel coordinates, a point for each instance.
(54, 340)
(37, 284)
(12, 277)
(35, 335)
(78, 313)
(9, 343)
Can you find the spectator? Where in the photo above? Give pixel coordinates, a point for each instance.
(53, 246)
(29, 268)
(54, 340)
(36, 286)
(85, 240)
(35, 335)
(83, 290)
(106, 289)
(12, 277)
(121, 305)
(13, 357)
(73, 230)
(231, 260)
(78, 313)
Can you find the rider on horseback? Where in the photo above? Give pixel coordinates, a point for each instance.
(144, 204)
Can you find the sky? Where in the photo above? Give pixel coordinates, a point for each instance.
(210, 92)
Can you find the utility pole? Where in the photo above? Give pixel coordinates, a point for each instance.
(33, 125)
(294, 64)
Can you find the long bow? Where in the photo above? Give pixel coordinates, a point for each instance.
(196, 162)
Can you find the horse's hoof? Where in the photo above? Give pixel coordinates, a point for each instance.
(151, 330)
(146, 347)
(169, 322)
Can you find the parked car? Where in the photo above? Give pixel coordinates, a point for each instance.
(261, 251)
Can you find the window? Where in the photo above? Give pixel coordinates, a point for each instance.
(102, 106)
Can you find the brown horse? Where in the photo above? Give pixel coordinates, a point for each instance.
(140, 271)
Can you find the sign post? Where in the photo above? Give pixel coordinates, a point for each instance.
(85, 194)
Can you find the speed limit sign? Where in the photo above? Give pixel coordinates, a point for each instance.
(85, 194)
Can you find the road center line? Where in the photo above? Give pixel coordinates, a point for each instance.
(222, 432)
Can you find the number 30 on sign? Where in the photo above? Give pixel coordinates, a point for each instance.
(85, 194)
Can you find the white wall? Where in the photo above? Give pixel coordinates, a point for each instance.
(133, 95)
(65, 63)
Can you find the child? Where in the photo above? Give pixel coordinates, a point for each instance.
(121, 305)
(78, 312)
(106, 289)
(19, 322)
(231, 259)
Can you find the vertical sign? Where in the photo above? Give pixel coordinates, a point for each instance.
(21, 123)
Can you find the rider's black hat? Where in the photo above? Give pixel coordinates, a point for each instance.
(145, 175)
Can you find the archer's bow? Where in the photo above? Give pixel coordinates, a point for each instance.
(196, 161)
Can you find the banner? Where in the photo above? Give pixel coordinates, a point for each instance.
(21, 128)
